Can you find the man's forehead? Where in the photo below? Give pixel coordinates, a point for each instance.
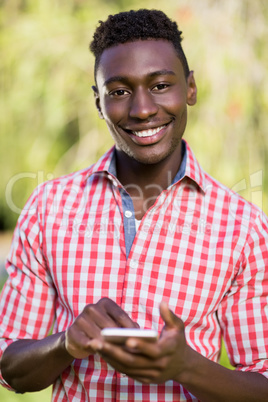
(134, 45)
(147, 55)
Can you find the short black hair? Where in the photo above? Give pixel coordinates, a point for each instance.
(129, 26)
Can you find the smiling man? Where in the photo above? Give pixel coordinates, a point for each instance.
(143, 238)
(143, 99)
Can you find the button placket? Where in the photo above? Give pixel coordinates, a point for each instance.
(128, 214)
(134, 264)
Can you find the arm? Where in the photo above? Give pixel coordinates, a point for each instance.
(172, 359)
(210, 381)
(32, 365)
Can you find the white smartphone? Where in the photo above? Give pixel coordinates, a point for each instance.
(120, 335)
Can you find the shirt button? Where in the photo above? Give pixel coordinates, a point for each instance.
(128, 214)
(134, 264)
(112, 180)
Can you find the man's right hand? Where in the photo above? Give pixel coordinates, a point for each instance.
(83, 337)
(30, 365)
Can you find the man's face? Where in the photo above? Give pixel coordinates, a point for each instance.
(142, 94)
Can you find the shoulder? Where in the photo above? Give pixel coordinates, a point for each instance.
(49, 197)
(73, 182)
(245, 218)
(222, 201)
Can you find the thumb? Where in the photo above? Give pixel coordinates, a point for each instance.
(95, 345)
(171, 320)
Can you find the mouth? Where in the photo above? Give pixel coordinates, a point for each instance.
(147, 133)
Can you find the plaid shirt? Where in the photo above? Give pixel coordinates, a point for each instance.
(200, 247)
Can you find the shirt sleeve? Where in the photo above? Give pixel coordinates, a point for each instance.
(243, 313)
(27, 300)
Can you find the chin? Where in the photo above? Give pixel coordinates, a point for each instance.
(150, 159)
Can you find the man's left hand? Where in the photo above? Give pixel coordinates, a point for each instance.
(152, 362)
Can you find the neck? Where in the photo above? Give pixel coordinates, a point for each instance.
(147, 180)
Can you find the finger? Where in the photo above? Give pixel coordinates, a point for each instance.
(142, 369)
(118, 315)
(96, 345)
(106, 313)
(78, 345)
(166, 345)
(143, 380)
(122, 357)
(142, 375)
(146, 348)
(99, 317)
(171, 320)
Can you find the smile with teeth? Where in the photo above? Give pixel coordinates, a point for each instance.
(148, 133)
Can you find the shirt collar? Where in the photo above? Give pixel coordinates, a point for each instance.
(193, 169)
(181, 172)
(189, 166)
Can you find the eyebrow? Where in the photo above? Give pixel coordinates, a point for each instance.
(123, 78)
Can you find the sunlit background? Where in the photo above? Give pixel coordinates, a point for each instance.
(48, 122)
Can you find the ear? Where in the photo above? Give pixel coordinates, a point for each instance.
(191, 89)
(97, 101)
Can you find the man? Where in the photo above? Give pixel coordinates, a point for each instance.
(145, 226)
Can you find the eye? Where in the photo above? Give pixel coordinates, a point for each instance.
(160, 87)
(119, 92)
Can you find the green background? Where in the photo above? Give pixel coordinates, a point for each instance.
(48, 123)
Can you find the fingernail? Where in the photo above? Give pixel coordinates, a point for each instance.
(131, 343)
(96, 345)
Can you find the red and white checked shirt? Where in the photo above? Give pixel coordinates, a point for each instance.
(200, 247)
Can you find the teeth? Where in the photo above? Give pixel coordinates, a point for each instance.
(147, 133)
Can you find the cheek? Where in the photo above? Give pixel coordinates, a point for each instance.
(175, 104)
(114, 111)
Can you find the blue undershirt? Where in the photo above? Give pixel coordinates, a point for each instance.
(128, 208)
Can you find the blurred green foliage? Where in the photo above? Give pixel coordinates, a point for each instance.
(9, 396)
(48, 123)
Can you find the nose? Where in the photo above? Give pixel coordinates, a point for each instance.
(142, 104)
